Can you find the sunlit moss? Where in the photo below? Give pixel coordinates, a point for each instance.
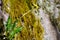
(32, 27)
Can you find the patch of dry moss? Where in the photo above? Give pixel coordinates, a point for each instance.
(32, 27)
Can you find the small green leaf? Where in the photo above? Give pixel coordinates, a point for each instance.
(14, 24)
(15, 31)
(8, 24)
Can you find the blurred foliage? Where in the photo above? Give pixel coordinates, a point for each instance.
(11, 29)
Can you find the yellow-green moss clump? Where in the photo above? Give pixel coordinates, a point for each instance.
(22, 10)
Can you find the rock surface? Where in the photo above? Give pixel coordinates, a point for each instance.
(50, 32)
